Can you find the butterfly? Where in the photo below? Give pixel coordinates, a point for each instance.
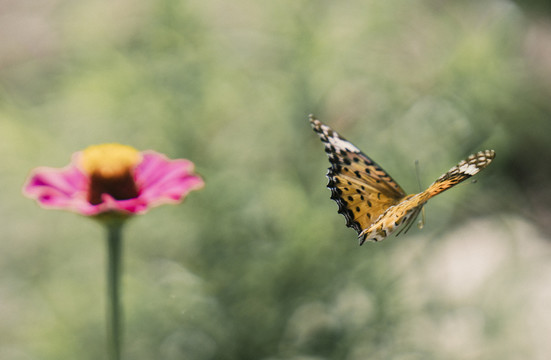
(371, 201)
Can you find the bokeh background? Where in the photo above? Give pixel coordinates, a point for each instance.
(258, 264)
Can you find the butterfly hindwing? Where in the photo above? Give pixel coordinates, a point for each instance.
(360, 187)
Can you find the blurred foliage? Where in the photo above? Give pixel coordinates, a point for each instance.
(258, 265)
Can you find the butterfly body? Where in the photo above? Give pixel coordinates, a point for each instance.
(404, 212)
(373, 203)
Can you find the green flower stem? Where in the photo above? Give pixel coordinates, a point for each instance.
(114, 324)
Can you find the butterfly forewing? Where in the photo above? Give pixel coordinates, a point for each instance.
(360, 187)
(462, 171)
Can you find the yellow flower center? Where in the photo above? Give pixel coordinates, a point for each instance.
(109, 160)
(110, 168)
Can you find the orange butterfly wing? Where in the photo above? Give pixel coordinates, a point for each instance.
(361, 188)
(462, 171)
(408, 209)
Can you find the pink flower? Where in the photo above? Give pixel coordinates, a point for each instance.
(113, 178)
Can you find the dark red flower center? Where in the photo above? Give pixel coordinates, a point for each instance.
(121, 187)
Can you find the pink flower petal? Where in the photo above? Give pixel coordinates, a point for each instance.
(57, 188)
(161, 180)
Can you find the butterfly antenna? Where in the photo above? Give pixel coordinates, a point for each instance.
(421, 222)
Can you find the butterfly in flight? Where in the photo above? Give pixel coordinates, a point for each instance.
(373, 203)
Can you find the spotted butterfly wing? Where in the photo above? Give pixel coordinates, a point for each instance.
(361, 188)
(373, 203)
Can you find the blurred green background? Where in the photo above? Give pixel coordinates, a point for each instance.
(258, 264)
